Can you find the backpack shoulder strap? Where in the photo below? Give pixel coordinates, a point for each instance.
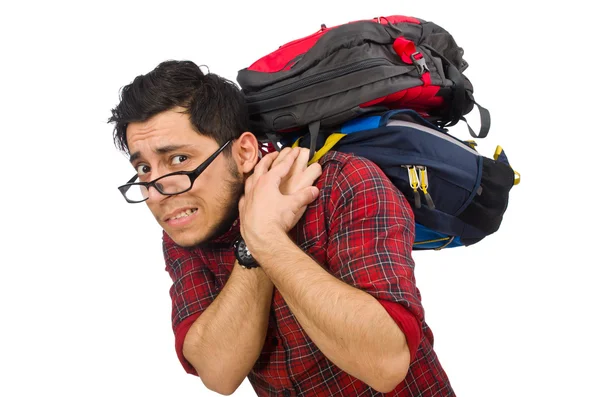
(331, 141)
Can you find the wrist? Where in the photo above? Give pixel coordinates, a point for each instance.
(256, 276)
(272, 249)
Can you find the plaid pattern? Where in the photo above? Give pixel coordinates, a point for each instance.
(361, 228)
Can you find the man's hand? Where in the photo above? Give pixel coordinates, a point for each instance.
(301, 175)
(276, 196)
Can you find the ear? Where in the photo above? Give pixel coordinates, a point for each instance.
(245, 152)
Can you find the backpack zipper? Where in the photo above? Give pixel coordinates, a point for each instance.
(315, 79)
(419, 181)
(447, 240)
(413, 179)
(424, 185)
(437, 240)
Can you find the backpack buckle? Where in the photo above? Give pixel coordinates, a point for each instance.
(419, 62)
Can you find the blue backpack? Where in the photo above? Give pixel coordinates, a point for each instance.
(457, 195)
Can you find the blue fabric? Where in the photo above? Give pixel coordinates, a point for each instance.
(453, 169)
(360, 124)
(424, 234)
(453, 172)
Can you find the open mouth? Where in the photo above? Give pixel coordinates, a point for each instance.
(183, 214)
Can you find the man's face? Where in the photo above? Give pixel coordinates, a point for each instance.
(167, 143)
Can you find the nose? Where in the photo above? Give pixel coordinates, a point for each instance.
(153, 194)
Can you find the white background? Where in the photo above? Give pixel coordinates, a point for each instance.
(85, 309)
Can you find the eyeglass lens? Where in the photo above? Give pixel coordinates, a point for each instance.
(172, 184)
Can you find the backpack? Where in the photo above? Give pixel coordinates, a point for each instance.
(342, 72)
(387, 89)
(458, 196)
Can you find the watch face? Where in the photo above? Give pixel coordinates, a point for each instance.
(243, 254)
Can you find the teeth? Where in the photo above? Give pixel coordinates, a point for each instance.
(184, 213)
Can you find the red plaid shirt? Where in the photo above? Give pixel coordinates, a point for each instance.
(361, 229)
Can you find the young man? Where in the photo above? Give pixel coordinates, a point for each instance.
(300, 278)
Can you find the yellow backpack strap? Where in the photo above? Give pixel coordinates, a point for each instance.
(499, 151)
(329, 143)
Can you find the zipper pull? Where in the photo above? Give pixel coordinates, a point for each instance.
(413, 178)
(425, 185)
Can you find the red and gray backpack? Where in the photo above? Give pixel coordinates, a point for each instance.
(311, 89)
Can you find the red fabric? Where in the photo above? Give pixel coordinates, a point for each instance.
(426, 77)
(267, 148)
(407, 323)
(418, 98)
(180, 334)
(398, 19)
(281, 59)
(361, 229)
(404, 48)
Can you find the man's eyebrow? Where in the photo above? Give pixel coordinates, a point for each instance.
(161, 151)
(134, 156)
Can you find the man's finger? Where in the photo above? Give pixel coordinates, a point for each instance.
(282, 154)
(249, 184)
(313, 171)
(264, 164)
(282, 169)
(302, 160)
(309, 175)
(241, 204)
(305, 196)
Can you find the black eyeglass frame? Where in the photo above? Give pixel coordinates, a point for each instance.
(193, 175)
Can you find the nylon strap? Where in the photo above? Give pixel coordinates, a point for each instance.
(331, 141)
(486, 122)
(313, 128)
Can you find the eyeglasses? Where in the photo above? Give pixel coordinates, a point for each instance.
(169, 185)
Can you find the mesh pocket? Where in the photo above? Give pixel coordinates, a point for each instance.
(486, 210)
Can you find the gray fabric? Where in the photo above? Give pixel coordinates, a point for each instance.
(348, 66)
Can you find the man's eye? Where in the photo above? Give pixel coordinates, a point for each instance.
(142, 169)
(178, 159)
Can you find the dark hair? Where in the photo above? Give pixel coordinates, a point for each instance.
(216, 105)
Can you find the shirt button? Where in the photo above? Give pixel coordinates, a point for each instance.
(275, 341)
(286, 393)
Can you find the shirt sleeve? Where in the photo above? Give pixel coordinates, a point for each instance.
(370, 242)
(409, 325)
(192, 291)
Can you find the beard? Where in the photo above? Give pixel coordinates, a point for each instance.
(230, 200)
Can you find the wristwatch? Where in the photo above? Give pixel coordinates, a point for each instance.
(243, 255)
